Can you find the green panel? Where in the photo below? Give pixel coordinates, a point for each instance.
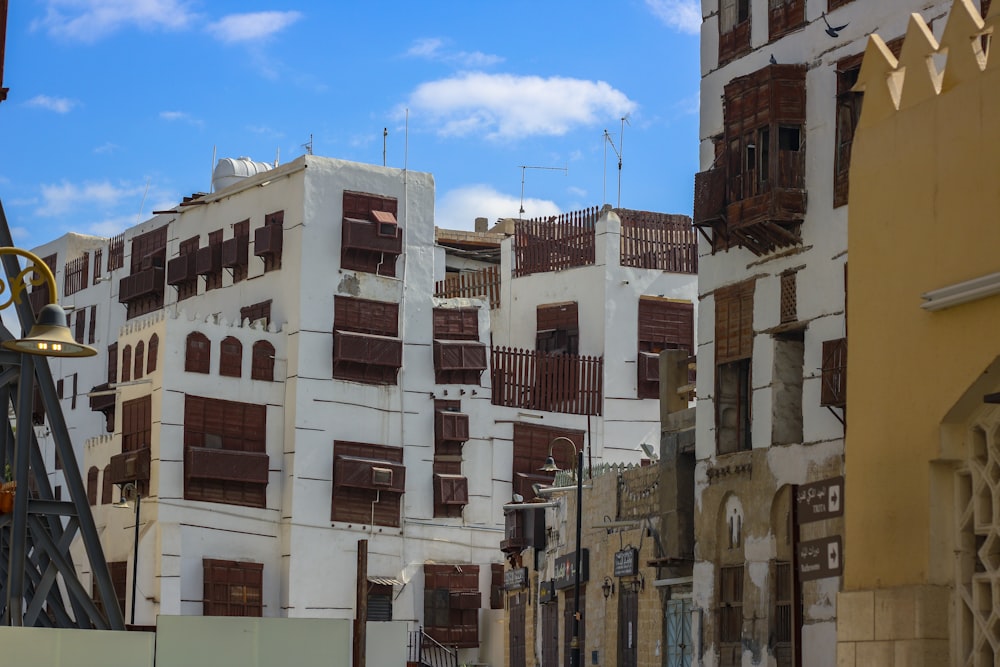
(251, 642)
(386, 643)
(47, 647)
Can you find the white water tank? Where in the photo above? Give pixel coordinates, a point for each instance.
(230, 171)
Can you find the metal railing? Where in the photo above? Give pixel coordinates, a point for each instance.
(428, 652)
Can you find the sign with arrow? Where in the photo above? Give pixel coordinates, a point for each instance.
(819, 500)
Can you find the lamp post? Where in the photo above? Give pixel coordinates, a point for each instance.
(133, 490)
(48, 336)
(550, 466)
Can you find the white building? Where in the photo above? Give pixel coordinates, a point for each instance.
(281, 381)
(777, 121)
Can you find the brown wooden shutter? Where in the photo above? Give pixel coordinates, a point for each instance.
(231, 357)
(140, 361)
(81, 325)
(262, 362)
(127, 363)
(106, 490)
(92, 332)
(92, 475)
(113, 363)
(154, 349)
(734, 322)
(198, 355)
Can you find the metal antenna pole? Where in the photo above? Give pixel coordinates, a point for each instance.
(525, 167)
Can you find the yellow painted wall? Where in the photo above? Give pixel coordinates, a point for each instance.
(925, 196)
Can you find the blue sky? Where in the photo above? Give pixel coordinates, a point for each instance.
(116, 106)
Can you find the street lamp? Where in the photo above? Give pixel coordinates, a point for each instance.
(131, 492)
(49, 336)
(550, 466)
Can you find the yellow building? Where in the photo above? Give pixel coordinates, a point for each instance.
(921, 579)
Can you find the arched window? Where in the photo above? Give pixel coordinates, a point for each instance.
(127, 363)
(92, 485)
(154, 348)
(231, 357)
(140, 353)
(262, 365)
(199, 353)
(108, 486)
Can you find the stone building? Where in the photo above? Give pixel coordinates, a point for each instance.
(291, 366)
(921, 558)
(778, 117)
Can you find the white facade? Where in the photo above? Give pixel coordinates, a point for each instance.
(309, 560)
(773, 464)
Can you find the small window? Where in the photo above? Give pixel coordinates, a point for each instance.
(92, 475)
(154, 348)
(127, 363)
(198, 356)
(262, 363)
(107, 487)
(231, 357)
(140, 351)
(233, 588)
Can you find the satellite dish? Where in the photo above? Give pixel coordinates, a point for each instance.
(650, 453)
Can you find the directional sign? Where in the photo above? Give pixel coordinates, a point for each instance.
(819, 500)
(821, 558)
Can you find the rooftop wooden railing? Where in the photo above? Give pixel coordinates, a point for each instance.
(536, 380)
(658, 241)
(556, 243)
(471, 284)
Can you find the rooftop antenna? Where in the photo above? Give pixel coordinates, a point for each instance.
(525, 167)
(619, 150)
(277, 156)
(142, 204)
(309, 145)
(211, 180)
(385, 133)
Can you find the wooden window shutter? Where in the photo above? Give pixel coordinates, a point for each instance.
(262, 362)
(231, 357)
(140, 362)
(789, 310)
(127, 363)
(107, 487)
(734, 322)
(80, 325)
(92, 331)
(72, 403)
(198, 353)
(154, 349)
(113, 363)
(92, 475)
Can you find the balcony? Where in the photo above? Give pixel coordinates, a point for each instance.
(363, 235)
(147, 282)
(208, 260)
(130, 466)
(235, 252)
(267, 241)
(180, 270)
(534, 380)
(225, 465)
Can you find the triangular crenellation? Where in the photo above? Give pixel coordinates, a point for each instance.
(921, 78)
(962, 39)
(890, 85)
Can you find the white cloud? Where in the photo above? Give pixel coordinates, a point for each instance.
(110, 226)
(180, 117)
(681, 15)
(505, 106)
(90, 20)
(107, 147)
(57, 104)
(253, 26)
(65, 198)
(459, 208)
(432, 48)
